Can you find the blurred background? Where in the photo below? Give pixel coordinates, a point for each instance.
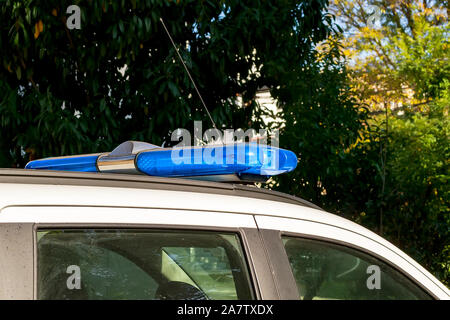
(359, 90)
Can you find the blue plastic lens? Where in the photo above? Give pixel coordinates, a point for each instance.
(246, 158)
(272, 161)
(81, 163)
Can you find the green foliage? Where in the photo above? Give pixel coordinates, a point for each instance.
(63, 92)
(417, 196)
(394, 179)
(321, 122)
(422, 59)
(404, 58)
(397, 172)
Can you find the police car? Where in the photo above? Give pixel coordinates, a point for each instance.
(135, 224)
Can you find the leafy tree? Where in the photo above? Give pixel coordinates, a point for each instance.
(64, 92)
(321, 123)
(398, 49)
(400, 71)
(417, 194)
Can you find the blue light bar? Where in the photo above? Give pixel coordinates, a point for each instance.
(136, 157)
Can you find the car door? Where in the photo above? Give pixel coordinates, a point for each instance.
(322, 261)
(82, 252)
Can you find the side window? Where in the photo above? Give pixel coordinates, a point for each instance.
(140, 264)
(326, 271)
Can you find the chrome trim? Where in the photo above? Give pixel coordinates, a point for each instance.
(124, 164)
(122, 159)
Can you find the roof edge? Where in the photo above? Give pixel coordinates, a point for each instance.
(25, 176)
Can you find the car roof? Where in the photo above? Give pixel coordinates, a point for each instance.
(146, 182)
(37, 187)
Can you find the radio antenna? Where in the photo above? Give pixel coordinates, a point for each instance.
(188, 73)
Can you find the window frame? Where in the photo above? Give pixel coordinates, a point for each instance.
(278, 257)
(253, 282)
(154, 228)
(244, 226)
(341, 244)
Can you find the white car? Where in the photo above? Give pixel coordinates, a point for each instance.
(81, 235)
